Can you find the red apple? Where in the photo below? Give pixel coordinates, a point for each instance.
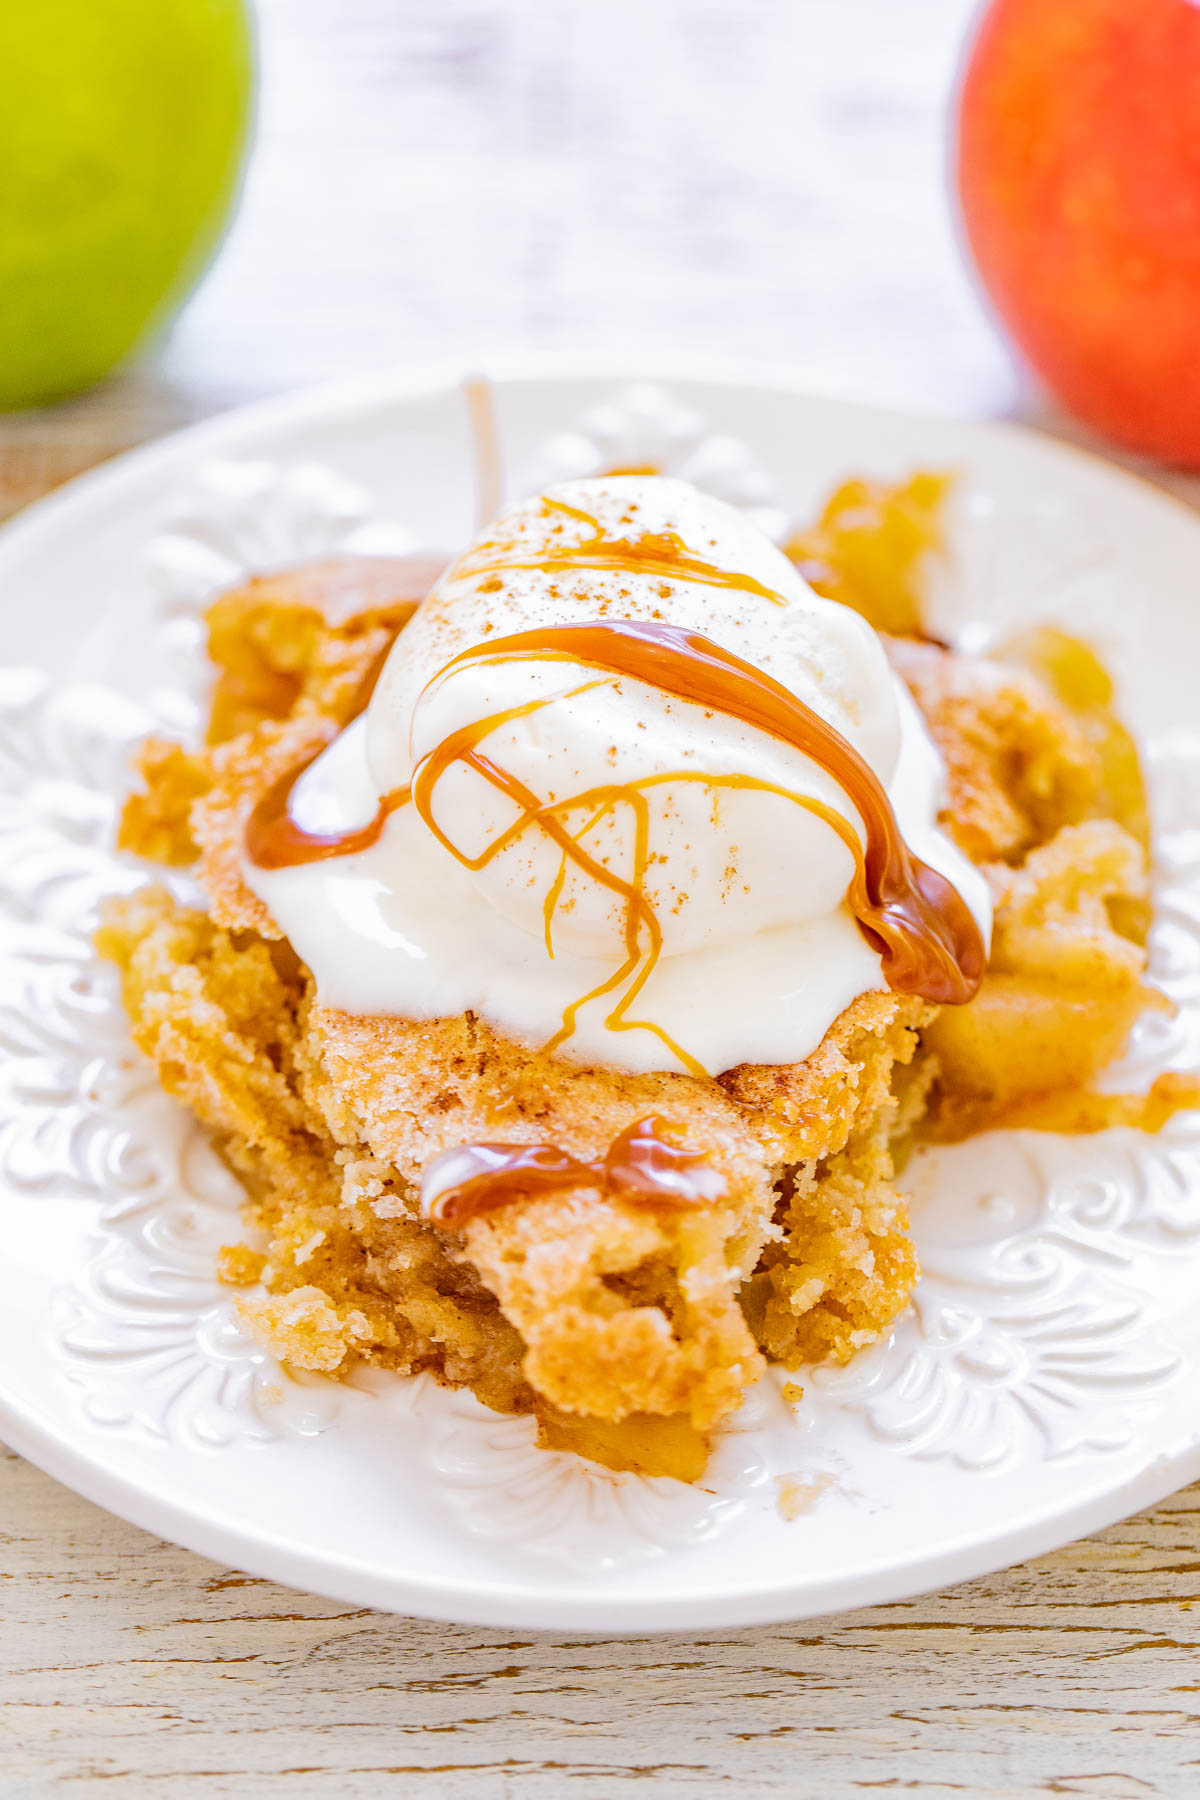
(1079, 176)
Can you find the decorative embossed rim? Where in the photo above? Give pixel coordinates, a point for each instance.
(349, 394)
(642, 1602)
(582, 1610)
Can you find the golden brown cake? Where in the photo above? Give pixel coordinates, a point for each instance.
(629, 1330)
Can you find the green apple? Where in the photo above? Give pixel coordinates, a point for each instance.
(123, 125)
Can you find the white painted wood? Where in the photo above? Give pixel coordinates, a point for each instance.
(125, 1660)
(450, 178)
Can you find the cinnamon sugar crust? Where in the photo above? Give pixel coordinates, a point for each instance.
(582, 1305)
(629, 1331)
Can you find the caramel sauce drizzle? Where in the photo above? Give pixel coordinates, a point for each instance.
(273, 840)
(463, 746)
(642, 1164)
(651, 553)
(917, 922)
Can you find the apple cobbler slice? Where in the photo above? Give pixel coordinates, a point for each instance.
(628, 1330)
(581, 1308)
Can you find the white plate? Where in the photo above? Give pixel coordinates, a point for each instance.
(1045, 1383)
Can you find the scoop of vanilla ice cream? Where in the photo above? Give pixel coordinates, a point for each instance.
(723, 860)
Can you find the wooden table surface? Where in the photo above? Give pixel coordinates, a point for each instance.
(457, 178)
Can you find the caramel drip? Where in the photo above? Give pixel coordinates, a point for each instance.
(612, 794)
(463, 746)
(273, 840)
(918, 923)
(661, 553)
(640, 1165)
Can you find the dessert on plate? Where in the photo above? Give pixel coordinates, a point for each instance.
(593, 925)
